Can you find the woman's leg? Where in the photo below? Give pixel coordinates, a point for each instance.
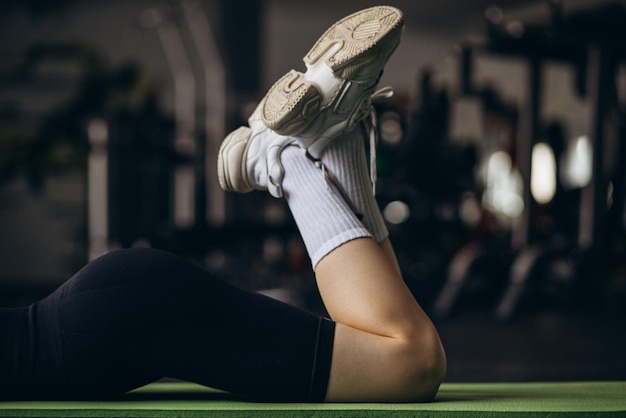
(134, 316)
(386, 348)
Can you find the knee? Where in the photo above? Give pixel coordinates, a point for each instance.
(424, 366)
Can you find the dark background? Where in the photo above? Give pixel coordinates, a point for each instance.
(521, 289)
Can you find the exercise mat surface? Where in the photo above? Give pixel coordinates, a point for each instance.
(455, 400)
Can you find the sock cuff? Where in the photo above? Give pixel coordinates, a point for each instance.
(335, 241)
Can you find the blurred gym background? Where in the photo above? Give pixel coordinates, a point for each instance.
(501, 165)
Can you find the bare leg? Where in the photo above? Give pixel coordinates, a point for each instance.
(386, 348)
(389, 252)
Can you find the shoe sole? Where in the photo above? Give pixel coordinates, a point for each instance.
(230, 161)
(292, 102)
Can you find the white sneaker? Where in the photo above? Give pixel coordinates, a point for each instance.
(249, 158)
(343, 69)
(312, 109)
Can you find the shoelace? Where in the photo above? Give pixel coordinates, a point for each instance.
(370, 125)
(372, 120)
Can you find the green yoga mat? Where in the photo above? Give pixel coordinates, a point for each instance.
(455, 400)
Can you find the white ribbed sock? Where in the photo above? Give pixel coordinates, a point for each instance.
(323, 218)
(345, 158)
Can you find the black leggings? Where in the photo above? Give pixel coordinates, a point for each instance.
(134, 316)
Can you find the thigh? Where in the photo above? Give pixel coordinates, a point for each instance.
(136, 315)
